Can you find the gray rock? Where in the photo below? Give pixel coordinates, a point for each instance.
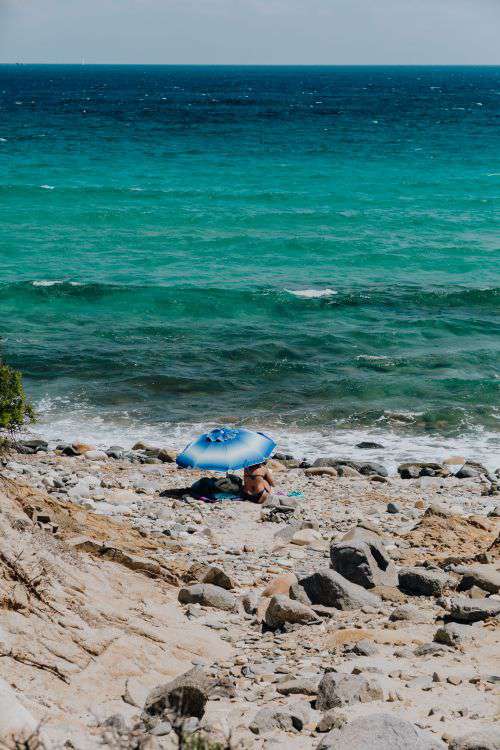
(364, 563)
(367, 468)
(163, 728)
(297, 593)
(35, 444)
(186, 695)
(364, 532)
(368, 445)
(463, 609)
(96, 455)
(429, 649)
(486, 577)
(453, 634)
(347, 472)
(300, 686)
(211, 574)
(208, 595)
(327, 461)
(279, 456)
(379, 732)
(410, 613)
(422, 582)
(471, 470)
(116, 452)
(339, 689)
(485, 739)
(365, 648)
(250, 602)
(332, 719)
(415, 469)
(393, 508)
(329, 588)
(372, 469)
(467, 472)
(281, 610)
(286, 718)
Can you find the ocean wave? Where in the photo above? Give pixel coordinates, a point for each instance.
(46, 282)
(312, 293)
(391, 299)
(58, 417)
(54, 282)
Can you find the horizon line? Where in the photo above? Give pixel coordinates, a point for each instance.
(20, 63)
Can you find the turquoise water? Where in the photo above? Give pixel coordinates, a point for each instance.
(315, 250)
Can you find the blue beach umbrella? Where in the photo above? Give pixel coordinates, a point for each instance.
(226, 449)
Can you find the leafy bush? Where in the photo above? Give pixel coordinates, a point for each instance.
(15, 409)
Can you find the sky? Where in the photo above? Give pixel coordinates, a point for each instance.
(336, 32)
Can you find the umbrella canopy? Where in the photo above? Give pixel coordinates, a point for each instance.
(226, 449)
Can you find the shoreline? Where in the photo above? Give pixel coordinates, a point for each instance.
(309, 444)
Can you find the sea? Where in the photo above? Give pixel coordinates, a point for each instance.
(311, 251)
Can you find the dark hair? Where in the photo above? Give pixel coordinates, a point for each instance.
(255, 466)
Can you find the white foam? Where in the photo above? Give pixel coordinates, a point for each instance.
(46, 282)
(55, 282)
(3, 140)
(47, 187)
(62, 421)
(311, 293)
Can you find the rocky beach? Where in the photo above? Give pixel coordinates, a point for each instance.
(357, 609)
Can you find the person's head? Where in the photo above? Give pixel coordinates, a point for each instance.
(254, 466)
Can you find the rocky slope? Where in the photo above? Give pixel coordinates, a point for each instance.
(365, 607)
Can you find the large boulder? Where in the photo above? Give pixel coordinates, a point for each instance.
(463, 609)
(486, 577)
(482, 739)
(422, 582)
(285, 718)
(208, 595)
(330, 589)
(365, 563)
(379, 732)
(338, 689)
(364, 531)
(210, 574)
(186, 695)
(283, 610)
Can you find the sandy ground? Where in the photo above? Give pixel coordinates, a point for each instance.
(93, 558)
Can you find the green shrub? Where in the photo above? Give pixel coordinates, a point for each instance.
(15, 409)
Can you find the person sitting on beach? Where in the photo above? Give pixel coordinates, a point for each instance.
(257, 483)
